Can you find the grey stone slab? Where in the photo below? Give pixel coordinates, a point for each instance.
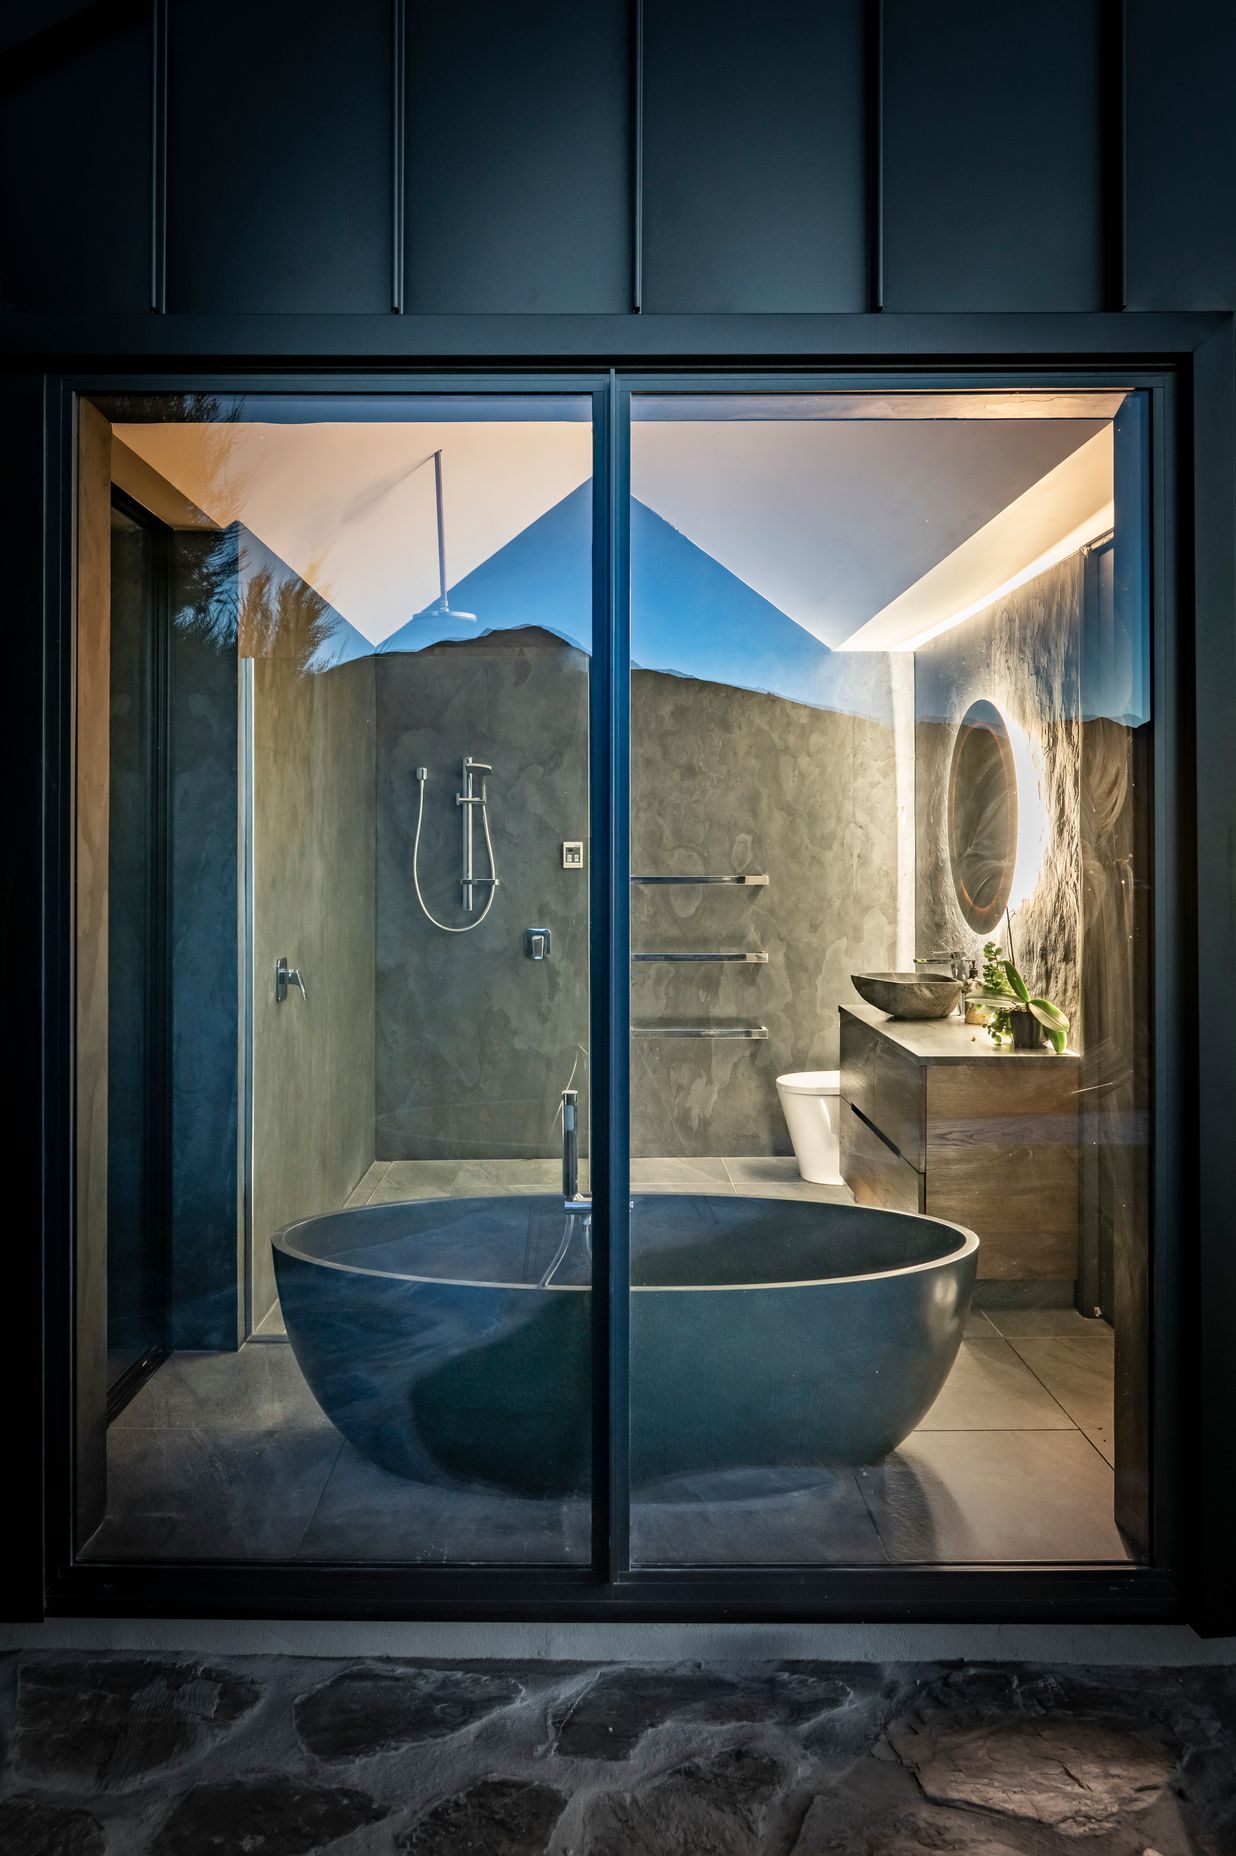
(1050, 1324)
(991, 1389)
(1039, 1293)
(794, 1189)
(681, 1171)
(187, 1494)
(367, 1513)
(224, 1395)
(1021, 1762)
(123, 1720)
(370, 1710)
(267, 1814)
(718, 1804)
(994, 1495)
(368, 1184)
(750, 1168)
(498, 1817)
(1080, 1375)
(704, 1188)
(754, 1517)
(475, 1175)
(36, 1827)
(622, 1705)
(979, 1325)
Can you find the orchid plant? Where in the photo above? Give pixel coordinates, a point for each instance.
(1018, 998)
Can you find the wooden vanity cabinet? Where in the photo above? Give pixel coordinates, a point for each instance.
(936, 1119)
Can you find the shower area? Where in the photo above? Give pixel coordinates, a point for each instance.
(337, 1033)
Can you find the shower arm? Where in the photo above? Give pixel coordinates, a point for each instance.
(437, 497)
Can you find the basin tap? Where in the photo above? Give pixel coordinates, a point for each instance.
(955, 961)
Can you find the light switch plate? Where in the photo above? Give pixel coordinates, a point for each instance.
(572, 853)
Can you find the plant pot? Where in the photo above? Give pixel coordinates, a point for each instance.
(1027, 1032)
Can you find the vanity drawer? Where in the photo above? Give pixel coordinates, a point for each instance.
(875, 1174)
(885, 1085)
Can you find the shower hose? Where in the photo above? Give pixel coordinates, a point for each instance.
(446, 927)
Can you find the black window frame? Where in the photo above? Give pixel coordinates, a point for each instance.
(1185, 365)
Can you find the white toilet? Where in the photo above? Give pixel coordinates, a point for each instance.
(810, 1101)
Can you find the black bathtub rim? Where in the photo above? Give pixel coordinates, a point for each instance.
(282, 1241)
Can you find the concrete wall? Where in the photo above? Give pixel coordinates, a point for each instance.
(474, 1041)
(727, 780)
(313, 902)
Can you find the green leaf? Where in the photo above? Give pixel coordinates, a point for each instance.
(1049, 1016)
(1016, 982)
(996, 1001)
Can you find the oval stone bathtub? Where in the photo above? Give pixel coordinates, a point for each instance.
(764, 1332)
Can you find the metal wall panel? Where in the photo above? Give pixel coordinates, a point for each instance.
(754, 156)
(993, 156)
(75, 166)
(280, 172)
(1181, 154)
(518, 156)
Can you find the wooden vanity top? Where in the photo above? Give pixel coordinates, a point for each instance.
(948, 1040)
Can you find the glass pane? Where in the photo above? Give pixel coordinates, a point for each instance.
(136, 1029)
(890, 733)
(356, 885)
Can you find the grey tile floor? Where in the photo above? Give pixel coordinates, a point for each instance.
(227, 1456)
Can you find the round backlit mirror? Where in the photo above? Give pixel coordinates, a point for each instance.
(982, 816)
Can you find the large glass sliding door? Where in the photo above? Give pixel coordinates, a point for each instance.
(884, 730)
(374, 862)
(889, 995)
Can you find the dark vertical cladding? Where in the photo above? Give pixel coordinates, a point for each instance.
(25, 770)
(74, 164)
(754, 157)
(875, 155)
(1180, 155)
(993, 161)
(279, 166)
(518, 157)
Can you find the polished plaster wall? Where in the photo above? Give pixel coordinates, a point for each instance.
(312, 799)
(1024, 655)
(733, 780)
(475, 1041)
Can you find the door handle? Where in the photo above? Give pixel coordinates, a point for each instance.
(285, 978)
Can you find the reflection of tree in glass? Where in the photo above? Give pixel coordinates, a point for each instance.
(205, 589)
(283, 617)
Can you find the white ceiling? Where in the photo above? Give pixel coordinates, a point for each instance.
(351, 506)
(831, 519)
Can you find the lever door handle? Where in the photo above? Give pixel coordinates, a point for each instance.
(285, 978)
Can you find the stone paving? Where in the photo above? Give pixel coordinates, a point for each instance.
(107, 1755)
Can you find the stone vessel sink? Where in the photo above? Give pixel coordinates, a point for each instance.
(909, 995)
